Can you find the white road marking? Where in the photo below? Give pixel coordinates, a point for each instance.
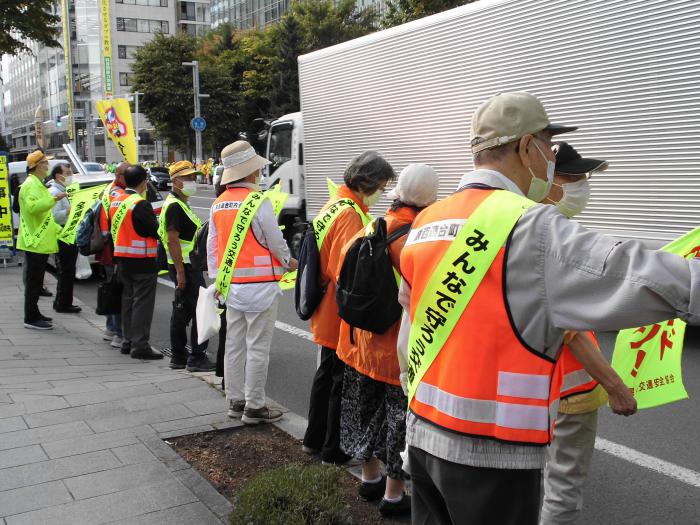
(666, 468)
(687, 476)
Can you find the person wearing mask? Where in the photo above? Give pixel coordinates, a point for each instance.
(113, 328)
(479, 347)
(134, 230)
(573, 442)
(37, 235)
(61, 177)
(178, 231)
(373, 406)
(365, 179)
(252, 292)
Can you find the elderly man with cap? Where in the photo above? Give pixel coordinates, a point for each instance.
(492, 281)
(37, 235)
(247, 255)
(178, 231)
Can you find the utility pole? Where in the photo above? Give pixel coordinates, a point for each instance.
(197, 95)
(137, 130)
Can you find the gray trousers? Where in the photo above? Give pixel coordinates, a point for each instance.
(567, 467)
(138, 302)
(447, 493)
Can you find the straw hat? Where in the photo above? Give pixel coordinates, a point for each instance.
(35, 157)
(181, 169)
(240, 160)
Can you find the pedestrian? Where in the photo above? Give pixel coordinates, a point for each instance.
(365, 179)
(252, 292)
(373, 406)
(178, 232)
(37, 235)
(479, 347)
(113, 322)
(61, 177)
(134, 230)
(571, 450)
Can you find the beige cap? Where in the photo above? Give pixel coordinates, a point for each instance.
(35, 157)
(507, 117)
(240, 160)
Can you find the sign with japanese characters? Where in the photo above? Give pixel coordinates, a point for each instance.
(648, 358)
(106, 48)
(456, 278)
(80, 203)
(6, 232)
(288, 281)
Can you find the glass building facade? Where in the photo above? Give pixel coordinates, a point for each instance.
(246, 14)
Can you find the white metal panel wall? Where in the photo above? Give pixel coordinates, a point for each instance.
(626, 71)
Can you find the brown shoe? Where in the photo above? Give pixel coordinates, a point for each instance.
(236, 408)
(254, 416)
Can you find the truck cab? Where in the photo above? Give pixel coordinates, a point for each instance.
(285, 150)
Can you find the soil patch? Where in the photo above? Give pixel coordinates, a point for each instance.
(229, 458)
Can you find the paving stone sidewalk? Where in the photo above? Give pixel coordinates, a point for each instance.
(82, 426)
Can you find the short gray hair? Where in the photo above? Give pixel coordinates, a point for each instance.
(367, 172)
(497, 154)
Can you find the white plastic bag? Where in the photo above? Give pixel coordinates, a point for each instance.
(208, 314)
(82, 268)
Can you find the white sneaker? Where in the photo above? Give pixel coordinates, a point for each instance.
(108, 335)
(116, 341)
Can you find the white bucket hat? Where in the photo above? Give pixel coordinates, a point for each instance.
(240, 160)
(417, 185)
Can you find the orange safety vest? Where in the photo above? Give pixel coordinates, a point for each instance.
(485, 382)
(113, 192)
(572, 376)
(129, 243)
(255, 263)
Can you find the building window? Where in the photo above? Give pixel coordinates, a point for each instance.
(152, 3)
(125, 79)
(128, 52)
(139, 25)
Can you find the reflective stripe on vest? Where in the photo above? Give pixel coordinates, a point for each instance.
(128, 243)
(480, 379)
(327, 217)
(186, 246)
(574, 379)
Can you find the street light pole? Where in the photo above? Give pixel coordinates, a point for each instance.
(136, 96)
(197, 95)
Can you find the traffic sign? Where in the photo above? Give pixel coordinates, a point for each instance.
(198, 124)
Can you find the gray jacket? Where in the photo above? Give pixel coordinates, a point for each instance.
(62, 208)
(561, 276)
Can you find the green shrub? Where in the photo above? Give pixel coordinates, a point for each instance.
(293, 495)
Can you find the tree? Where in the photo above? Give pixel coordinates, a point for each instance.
(289, 44)
(402, 11)
(326, 23)
(21, 21)
(167, 87)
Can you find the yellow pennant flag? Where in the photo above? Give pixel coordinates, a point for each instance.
(80, 203)
(332, 187)
(116, 117)
(288, 280)
(277, 197)
(648, 358)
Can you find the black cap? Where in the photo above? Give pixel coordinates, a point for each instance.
(569, 162)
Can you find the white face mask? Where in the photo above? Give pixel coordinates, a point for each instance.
(575, 198)
(373, 199)
(67, 181)
(540, 188)
(189, 187)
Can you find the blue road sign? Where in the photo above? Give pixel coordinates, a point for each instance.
(198, 124)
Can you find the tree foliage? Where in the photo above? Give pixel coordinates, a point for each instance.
(402, 11)
(21, 21)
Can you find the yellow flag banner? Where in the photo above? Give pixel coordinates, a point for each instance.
(116, 117)
(80, 202)
(6, 241)
(332, 187)
(288, 280)
(648, 358)
(277, 197)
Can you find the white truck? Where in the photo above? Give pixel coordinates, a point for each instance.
(627, 72)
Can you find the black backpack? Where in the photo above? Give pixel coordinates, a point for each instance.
(366, 292)
(198, 255)
(308, 291)
(89, 238)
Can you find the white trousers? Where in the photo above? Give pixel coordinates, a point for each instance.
(248, 339)
(567, 467)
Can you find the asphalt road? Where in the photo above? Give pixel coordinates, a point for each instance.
(621, 488)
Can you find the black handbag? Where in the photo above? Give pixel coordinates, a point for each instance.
(109, 297)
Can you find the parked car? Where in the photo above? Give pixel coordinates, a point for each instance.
(218, 170)
(160, 177)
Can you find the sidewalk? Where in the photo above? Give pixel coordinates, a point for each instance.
(82, 426)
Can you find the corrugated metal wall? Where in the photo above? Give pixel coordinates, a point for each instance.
(626, 71)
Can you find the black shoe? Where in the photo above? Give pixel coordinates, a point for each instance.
(146, 353)
(45, 292)
(372, 491)
(177, 364)
(126, 348)
(39, 325)
(72, 309)
(45, 319)
(398, 508)
(201, 364)
(339, 459)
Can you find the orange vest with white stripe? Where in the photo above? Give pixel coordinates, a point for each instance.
(572, 376)
(114, 191)
(255, 263)
(485, 382)
(129, 243)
